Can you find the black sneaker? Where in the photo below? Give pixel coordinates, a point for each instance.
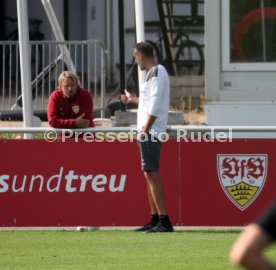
(160, 228)
(146, 227)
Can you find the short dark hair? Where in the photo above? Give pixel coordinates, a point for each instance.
(145, 48)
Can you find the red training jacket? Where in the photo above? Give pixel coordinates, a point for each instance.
(62, 111)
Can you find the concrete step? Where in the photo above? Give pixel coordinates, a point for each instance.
(184, 87)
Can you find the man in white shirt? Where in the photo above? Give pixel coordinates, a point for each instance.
(152, 119)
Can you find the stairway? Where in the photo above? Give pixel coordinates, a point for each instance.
(182, 53)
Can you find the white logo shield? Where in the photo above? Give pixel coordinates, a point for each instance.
(242, 177)
(75, 108)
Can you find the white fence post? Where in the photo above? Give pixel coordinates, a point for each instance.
(25, 64)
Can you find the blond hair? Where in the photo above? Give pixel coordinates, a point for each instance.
(68, 74)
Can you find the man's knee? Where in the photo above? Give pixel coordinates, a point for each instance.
(151, 175)
(246, 249)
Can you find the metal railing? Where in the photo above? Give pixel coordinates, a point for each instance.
(170, 128)
(48, 60)
(241, 131)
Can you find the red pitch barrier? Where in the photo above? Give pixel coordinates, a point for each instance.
(101, 184)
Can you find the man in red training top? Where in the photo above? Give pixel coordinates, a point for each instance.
(70, 106)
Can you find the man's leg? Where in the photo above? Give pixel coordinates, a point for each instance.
(247, 250)
(157, 202)
(152, 205)
(155, 193)
(154, 212)
(150, 156)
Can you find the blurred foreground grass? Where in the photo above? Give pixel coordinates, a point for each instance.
(114, 250)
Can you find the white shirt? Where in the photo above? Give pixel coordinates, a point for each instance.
(154, 100)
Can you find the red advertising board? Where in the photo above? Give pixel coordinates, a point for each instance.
(227, 184)
(101, 183)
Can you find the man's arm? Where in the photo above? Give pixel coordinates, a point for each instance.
(87, 105)
(148, 124)
(248, 249)
(128, 98)
(86, 111)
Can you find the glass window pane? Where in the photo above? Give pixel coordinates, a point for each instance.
(253, 31)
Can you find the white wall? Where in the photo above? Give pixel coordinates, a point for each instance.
(234, 97)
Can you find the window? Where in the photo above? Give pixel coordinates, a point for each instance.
(249, 34)
(183, 8)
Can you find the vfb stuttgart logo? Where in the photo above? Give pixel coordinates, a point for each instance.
(242, 177)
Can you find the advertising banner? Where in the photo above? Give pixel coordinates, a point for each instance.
(227, 184)
(77, 184)
(101, 184)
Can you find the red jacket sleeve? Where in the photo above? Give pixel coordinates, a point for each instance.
(87, 107)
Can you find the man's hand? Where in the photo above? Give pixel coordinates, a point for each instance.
(81, 122)
(148, 124)
(128, 98)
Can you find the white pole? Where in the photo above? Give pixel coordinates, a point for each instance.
(25, 64)
(58, 33)
(140, 32)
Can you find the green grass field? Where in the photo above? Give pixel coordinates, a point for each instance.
(116, 250)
